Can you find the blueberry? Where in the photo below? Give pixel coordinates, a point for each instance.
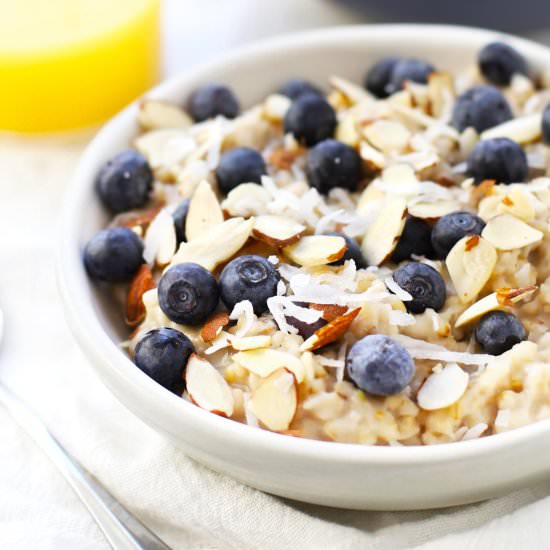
(239, 165)
(188, 294)
(353, 251)
(310, 119)
(212, 100)
(250, 278)
(498, 62)
(113, 255)
(498, 331)
(546, 125)
(180, 216)
(416, 239)
(414, 70)
(480, 107)
(297, 87)
(499, 159)
(124, 182)
(424, 284)
(162, 354)
(379, 75)
(333, 164)
(449, 229)
(379, 365)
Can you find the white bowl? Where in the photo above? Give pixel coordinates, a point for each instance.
(335, 474)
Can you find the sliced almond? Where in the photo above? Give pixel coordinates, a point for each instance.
(517, 203)
(373, 158)
(207, 387)
(496, 300)
(250, 342)
(204, 212)
(275, 107)
(387, 136)
(330, 311)
(277, 231)
(275, 400)
(443, 388)
(217, 245)
(506, 232)
(383, 234)
(316, 250)
(284, 158)
(419, 94)
(370, 199)
(470, 263)
(154, 114)
(432, 210)
(352, 91)
(160, 239)
(440, 93)
(247, 199)
(141, 283)
(263, 362)
(141, 220)
(214, 326)
(346, 131)
(398, 174)
(522, 130)
(331, 332)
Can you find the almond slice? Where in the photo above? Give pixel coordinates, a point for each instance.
(387, 135)
(141, 283)
(160, 239)
(371, 198)
(470, 264)
(204, 211)
(440, 93)
(214, 326)
(352, 91)
(432, 210)
(263, 362)
(506, 232)
(443, 388)
(246, 343)
(217, 245)
(275, 400)
(275, 107)
(207, 388)
(277, 231)
(517, 203)
(316, 250)
(496, 300)
(138, 220)
(247, 199)
(330, 311)
(331, 332)
(522, 130)
(154, 114)
(373, 158)
(383, 234)
(346, 131)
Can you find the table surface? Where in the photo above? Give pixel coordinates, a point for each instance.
(40, 360)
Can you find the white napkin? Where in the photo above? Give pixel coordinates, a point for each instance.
(188, 505)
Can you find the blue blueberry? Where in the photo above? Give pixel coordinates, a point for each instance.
(239, 165)
(480, 107)
(212, 100)
(353, 251)
(424, 284)
(113, 255)
(498, 331)
(499, 159)
(416, 239)
(162, 354)
(180, 216)
(310, 119)
(379, 365)
(248, 277)
(449, 229)
(546, 125)
(379, 76)
(414, 70)
(188, 294)
(297, 87)
(124, 182)
(333, 164)
(498, 62)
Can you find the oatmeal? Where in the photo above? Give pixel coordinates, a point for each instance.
(368, 265)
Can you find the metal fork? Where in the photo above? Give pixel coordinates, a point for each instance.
(123, 530)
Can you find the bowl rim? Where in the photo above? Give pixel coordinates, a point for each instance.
(100, 349)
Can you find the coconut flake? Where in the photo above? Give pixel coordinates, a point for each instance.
(400, 318)
(502, 419)
(243, 313)
(402, 294)
(160, 239)
(475, 431)
(220, 342)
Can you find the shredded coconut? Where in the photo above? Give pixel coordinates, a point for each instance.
(243, 313)
(402, 294)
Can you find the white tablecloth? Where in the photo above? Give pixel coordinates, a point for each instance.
(186, 504)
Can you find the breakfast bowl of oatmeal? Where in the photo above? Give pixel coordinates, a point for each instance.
(320, 264)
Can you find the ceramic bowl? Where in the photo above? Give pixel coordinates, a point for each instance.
(334, 474)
